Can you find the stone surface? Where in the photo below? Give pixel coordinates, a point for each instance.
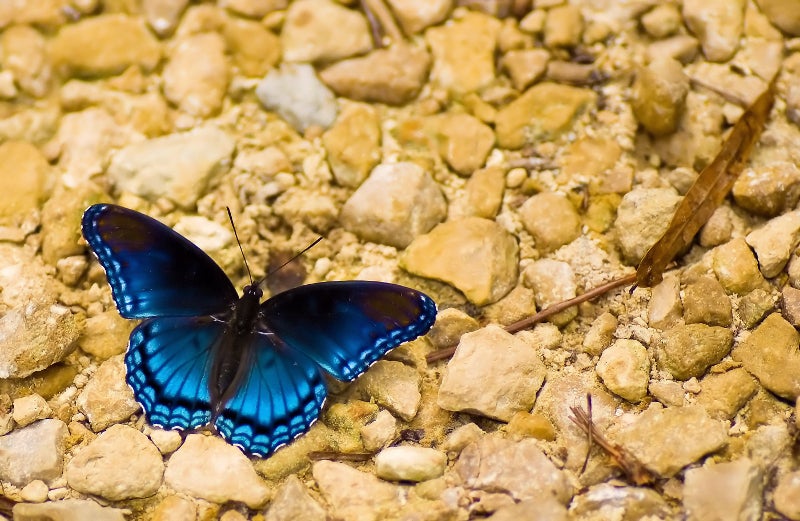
(775, 241)
(642, 217)
(408, 463)
(552, 282)
(770, 190)
(33, 452)
(67, 510)
(450, 324)
(106, 399)
(736, 267)
(790, 305)
(563, 27)
(163, 15)
(525, 66)
(542, 510)
(724, 394)
(175, 508)
(393, 385)
(397, 203)
(295, 93)
(196, 74)
(705, 301)
(551, 219)
(292, 501)
(730, 490)
(121, 463)
(659, 95)
(353, 494)
(353, 144)
(492, 373)
(687, 351)
(625, 369)
(235, 479)
(323, 31)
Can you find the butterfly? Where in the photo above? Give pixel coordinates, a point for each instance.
(203, 355)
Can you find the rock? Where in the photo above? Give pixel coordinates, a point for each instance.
(680, 47)
(564, 26)
(484, 191)
(35, 492)
(790, 305)
(107, 399)
(163, 15)
(28, 409)
(292, 501)
(718, 25)
(600, 334)
(165, 441)
(552, 282)
(642, 218)
(450, 324)
(625, 369)
(551, 219)
(254, 48)
(547, 509)
(770, 353)
(754, 306)
(463, 52)
(718, 229)
(668, 392)
(593, 159)
(662, 21)
(770, 190)
(545, 111)
(464, 142)
(393, 385)
(416, 15)
(393, 76)
(195, 78)
(527, 425)
(380, 432)
(786, 495)
(175, 508)
(687, 351)
(25, 57)
(657, 437)
(411, 204)
(125, 42)
(496, 464)
(736, 267)
(784, 15)
(705, 301)
(492, 373)
(665, 309)
(474, 255)
(27, 173)
(323, 31)
(461, 437)
(121, 463)
(525, 66)
(180, 166)
(353, 144)
(296, 94)
(254, 8)
(105, 335)
(775, 241)
(33, 452)
(407, 463)
(353, 494)
(730, 490)
(723, 394)
(659, 96)
(316, 210)
(617, 502)
(67, 510)
(234, 478)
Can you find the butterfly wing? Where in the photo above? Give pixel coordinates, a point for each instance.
(153, 270)
(278, 400)
(168, 362)
(346, 326)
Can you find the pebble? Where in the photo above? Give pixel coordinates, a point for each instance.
(476, 256)
(450, 324)
(416, 15)
(686, 351)
(464, 142)
(67, 510)
(379, 432)
(121, 463)
(175, 508)
(769, 190)
(782, 14)
(234, 477)
(30, 408)
(786, 496)
(552, 282)
(26, 59)
(34, 492)
(775, 242)
(393, 76)
(393, 385)
(600, 334)
(353, 494)
(668, 392)
(105, 335)
(754, 306)
(297, 95)
(254, 49)
(461, 437)
(496, 464)
(106, 399)
(594, 159)
(493, 374)
(642, 218)
(665, 308)
(718, 24)
(316, 210)
(525, 66)
(790, 305)
(659, 96)
(736, 267)
(179, 166)
(484, 191)
(353, 144)
(770, 354)
(397, 203)
(620, 502)
(658, 437)
(551, 219)
(125, 42)
(681, 47)
(27, 173)
(463, 52)
(546, 509)
(195, 78)
(724, 394)
(527, 425)
(625, 369)
(563, 27)
(323, 31)
(705, 302)
(163, 15)
(662, 21)
(545, 111)
(407, 463)
(292, 501)
(717, 492)
(165, 441)
(33, 452)
(209, 236)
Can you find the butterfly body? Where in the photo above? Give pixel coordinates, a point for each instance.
(253, 370)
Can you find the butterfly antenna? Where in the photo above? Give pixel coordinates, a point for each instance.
(230, 217)
(296, 255)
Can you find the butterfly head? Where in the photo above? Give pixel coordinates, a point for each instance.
(253, 291)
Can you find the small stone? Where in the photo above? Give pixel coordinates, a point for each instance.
(770, 190)
(25, 58)
(723, 395)
(736, 267)
(492, 373)
(461, 437)
(620, 502)
(293, 502)
(790, 305)
(393, 385)
(718, 229)
(107, 399)
(551, 219)
(525, 66)
(625, 369)
(235, 479)
(175, 508)
(180, 167)
(485, 192)
(254, 48)
(105, 335)
(552, 282)
(67, 510)
(163, 15)
(681, 47)
(30, 408)
(786, 495)
(33, 452)
(730, 490)
(34, 492)
(464, 142)
(662, 20)
(526, 425)
(296, 94)
(705, 301)
(785, 15)
(563, 27)
(755, 306)
(476, 256)
(659, 95)
(668, 392)
(121, 463)
(379, 432)
(450, 324)
(642, 218)
(407, 463)
(27, 172)
(323, 31)
(647, 436)
(166, 441)
(718, 24)
(593, 159)
(397, 203)
(195, 78)
(546, 509)
(353, 144)
(353, 494)
(775, 241)
(416, 15)
(687, 351)
(600, 334)
(254, 8)
(316, 210)
(665, 309)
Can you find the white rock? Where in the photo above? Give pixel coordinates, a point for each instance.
(33, 452)
(295, 93)
(642, 217)
(665, 308)
(107, 399)
(35, 491)
(208, 235)
(353, 494)
(30, 408)
(407, 463)
(775, 242)
(552, 281)
(462, 436)
(723, 491)
(322, 30)
(625, 369)
(121, 463)
(208, 468)
(787, 495)
(293, 502)
(66, 510)
(379, 432)
(393, 385)
(166, 441)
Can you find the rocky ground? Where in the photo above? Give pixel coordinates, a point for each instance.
(499, 156)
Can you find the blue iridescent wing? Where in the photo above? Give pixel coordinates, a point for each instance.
(279, 400)
(346, 326)
(154, 271)
(168, 362)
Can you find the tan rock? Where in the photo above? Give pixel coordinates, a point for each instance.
(24, 55)
(705, 301)
(563, 27)
(27, 174)
(736, 267)
(790, 305)
(775, 241)
(323, 31)
(254, 8)
(730, 490)
(659, 95)
(783, 14)
(769, 190)
(687, 351)
(551, 219)
(353, 144)
(718, 24)
(416, 15)
(485, 192)
(723, 395)
(600, 334)
(196, 75)
(464, 142)
(665, 308)
(525, 66)
(254, 48)
(662, 20)
(552, 282)
(625, 369)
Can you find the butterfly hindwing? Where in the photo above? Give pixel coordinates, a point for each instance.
(346, 326)
(154, 271)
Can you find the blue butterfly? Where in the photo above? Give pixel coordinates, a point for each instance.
(253, 371)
